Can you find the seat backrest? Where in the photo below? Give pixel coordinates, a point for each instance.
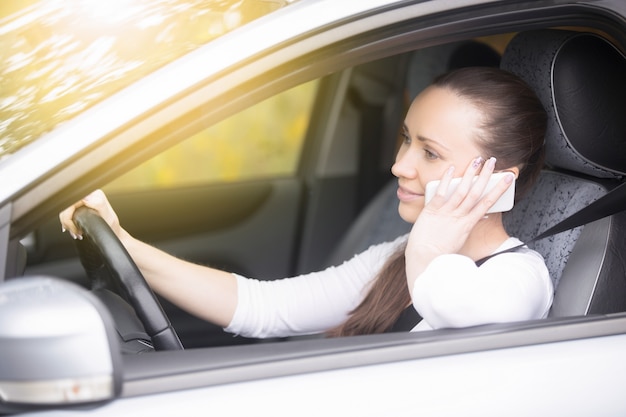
(378, 222)
(579, 78)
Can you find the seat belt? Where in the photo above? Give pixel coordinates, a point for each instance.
(611, 203)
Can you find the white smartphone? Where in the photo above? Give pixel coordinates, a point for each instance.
(504, 203)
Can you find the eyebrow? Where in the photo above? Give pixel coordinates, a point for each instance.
(425, 139)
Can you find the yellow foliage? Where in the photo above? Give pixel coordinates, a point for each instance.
(262, 141)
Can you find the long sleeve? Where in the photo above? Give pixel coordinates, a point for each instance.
(310, 303)
(454, 292)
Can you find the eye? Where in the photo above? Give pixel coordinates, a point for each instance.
(406, 139)
(430, 155)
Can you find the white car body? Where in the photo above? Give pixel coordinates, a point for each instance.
(555, 367)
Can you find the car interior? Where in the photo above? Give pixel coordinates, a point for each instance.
(342, 197)
(576, 173)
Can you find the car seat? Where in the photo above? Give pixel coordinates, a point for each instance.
(579, 79)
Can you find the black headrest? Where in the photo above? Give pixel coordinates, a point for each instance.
(581, 80)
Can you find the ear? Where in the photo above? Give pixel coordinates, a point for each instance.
(514, 170)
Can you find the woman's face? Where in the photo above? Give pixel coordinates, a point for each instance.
(439, 131)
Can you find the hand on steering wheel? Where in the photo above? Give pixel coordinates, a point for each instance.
(105, 259)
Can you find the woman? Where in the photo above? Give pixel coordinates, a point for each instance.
(469, 123)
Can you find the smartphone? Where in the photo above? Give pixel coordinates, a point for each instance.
(504, 203)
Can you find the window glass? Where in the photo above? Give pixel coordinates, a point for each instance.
(60, 57)
(263, 141)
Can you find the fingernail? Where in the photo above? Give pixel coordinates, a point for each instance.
(73, 235)
(477, 162)
(63, 229)
(509, 178)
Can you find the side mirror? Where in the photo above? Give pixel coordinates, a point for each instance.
(58, 346)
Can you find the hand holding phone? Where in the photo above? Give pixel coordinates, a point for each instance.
(504, 203)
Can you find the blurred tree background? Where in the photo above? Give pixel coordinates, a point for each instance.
(264, 140)
(60, 57)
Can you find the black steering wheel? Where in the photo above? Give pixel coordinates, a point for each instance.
(108, 264)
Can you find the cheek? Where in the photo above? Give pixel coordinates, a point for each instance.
(410, 213)
(434, 172)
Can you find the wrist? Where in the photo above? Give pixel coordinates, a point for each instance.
(126, 238)
(417, 259)
(423, 251)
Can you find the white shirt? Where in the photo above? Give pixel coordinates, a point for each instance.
(451, 292)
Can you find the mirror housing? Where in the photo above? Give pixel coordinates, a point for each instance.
(58, 346)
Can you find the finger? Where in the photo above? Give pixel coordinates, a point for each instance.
(488, 168)
(441, 193)
(67, 222)
(96, 200)
(479, 184)
(493, 195)
(465, 193)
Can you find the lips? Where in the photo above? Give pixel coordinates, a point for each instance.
(406, 195)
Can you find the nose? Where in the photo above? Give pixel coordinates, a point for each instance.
(405, 165)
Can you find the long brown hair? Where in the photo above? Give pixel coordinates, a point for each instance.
(512, 130)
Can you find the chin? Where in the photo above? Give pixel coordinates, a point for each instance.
(409, 214)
